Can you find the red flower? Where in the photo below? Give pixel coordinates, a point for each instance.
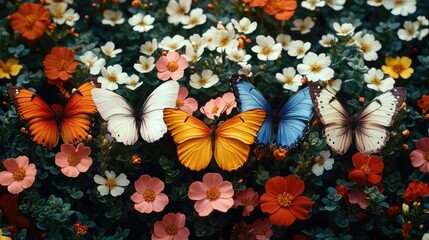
(368, 169)
(393, 211)
(31, 20)
(415, 190)
(283, 202)
(423, 103)
(406, 229)
(59, 64)
(80, 229)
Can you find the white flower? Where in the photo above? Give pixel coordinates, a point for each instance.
(246, 69)
(316, 67)
(290, 79)
(196, 41)
(141, 23)
(111, 184)
(425, 236)
(109, 50)
(132, 82)
(298, 48)
(344, 29)
(92, 62)
(323, 161)
(374, 80)
(209, 35)
(237, 55)
(177, 10)
(402, 7)
(333, 85)
(368, 46)
(375, 3)
(192, 54)
(57, 10)
(149, 47)
(303, 26)
(112, 18)
(423, 21)
(245, 25)
(284, 40)
(267, 48)
(327, 40)
(410, 31)
(224, 39)
(423, 33)
(172, 44)
(145, 64)
(337, 5)
(312, 4)
(71, 17)
(206, 80)
(196, 17)
(111, 77)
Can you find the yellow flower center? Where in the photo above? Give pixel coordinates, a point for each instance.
(399, 2)
(300, 51)
(142, 23)
(315, 68)
(213, 194)
(179, 103)
(172, 66)
(62, 65)
(18, 174)
(366, 169)
(73, 160)
(285, 199)
(203, 81)
(376, 81)
(181, 10)
(30, 21)
(365, 47)
(171, 229)
(266, 51)
(112, 78)
(5, 68)
(246, 201)
(320, 160)
(426, 156)
(278, 4)
(149, 195)
(214, 109)
(289, 80)
(193, 21)
(398, 68)
(110, 183)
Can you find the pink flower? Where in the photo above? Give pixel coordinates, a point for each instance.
(261, 229)
(230, 102)
(188, 105)
(214, 107)
(420, 156)
(172, 227)
(73, 161)
(247, 198)
(19, 175)
(149, 196)
(171, 66)
(212, 193)
(358, 196)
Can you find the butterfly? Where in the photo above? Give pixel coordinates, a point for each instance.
(368, 128)
(287, 126)
(229, 143)
(124, 123)
(46, 124)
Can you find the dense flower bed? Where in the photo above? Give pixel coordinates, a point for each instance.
(81, 162)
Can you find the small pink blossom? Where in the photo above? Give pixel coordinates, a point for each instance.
(420, 156)
(148, 196)
(19, 175)
(261, 229)
(73, 161)
(172, 227)
(172, 65)
(214, 107)
(211, 194)
(230, 102)
(188, 105)
(358, 196)
(247, 198)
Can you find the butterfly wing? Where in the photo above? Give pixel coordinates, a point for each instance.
(370, 132)
(293, 119)
(119, 115)
(337, 130)
(249, 98)
(192, 137)
(40, 119)
(234, 136)
(152, 126)
(77, 116)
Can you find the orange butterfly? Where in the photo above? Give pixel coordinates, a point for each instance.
(230, 142)
(46, 123)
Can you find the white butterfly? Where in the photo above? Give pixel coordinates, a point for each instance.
(123, 122)
(368, 128)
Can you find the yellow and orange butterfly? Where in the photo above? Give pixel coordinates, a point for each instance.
(46, 124)
(230, 142)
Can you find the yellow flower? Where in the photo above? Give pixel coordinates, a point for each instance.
(398, 66)
(11, 67)
(1, 233)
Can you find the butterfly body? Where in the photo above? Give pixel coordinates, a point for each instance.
(368, 128)
(287, 125)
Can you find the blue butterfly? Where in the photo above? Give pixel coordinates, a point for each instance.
(290, 123)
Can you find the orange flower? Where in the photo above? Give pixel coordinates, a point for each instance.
(283, 202)
(282, 9)
(423, 103)
(59, 64)
(256, 3)
(367, 169)
(30, 20)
